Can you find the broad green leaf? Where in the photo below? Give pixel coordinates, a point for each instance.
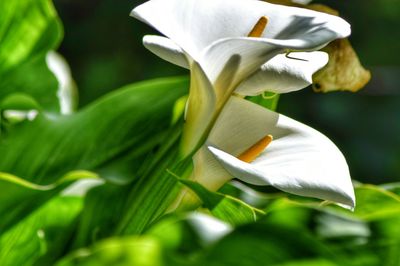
(40, 232)
(28, 30)
(120, 126)
(224, 207)
(131, 208)
(34, 79)
(112, 136)
(20, 197)
(103, 208)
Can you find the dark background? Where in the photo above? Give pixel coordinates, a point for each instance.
(103, 47)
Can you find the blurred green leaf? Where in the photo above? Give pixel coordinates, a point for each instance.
(376, 203)
(19, 101)
(20, 197)
(103, 208)
(28, 30)
(124, 126)
(265, 243)
(224, 207)
(381, 208)
(40, 232)
(140, 251)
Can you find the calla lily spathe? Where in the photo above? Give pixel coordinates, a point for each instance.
(211, 38)
(300, 160)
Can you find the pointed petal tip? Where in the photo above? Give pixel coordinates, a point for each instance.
(349, 205)
(134, 13)
(214, 150)
(137, 11)
(344, 26)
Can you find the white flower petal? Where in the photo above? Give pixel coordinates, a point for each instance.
(208, 228)
(230, 133)
(67, 90)
(201, 106)
(208, 171)
(240, 125)
(283, 74)
(166, 49)
(253, 52)
(300, 160)
(205, 103)
(195, 24)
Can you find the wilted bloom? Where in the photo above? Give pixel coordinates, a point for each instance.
(240, 47)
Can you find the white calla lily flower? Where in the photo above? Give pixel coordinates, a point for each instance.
(240, 46)
(236, 46)
(195, 25)
(299, 160)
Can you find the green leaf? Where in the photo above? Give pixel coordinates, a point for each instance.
(28, 30)
(381, 208)
(40, 232)
(267, 99)
(141, 251)
(19, 101)
(265, 243)
(20, 197)
(156, 190)
(103, 209)
(376, 203)
(123, 125)
(224, 207)
(112, 136)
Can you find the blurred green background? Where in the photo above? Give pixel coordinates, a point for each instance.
(103, 46)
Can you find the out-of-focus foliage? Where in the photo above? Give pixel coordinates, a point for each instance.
(291, 233)
(28, 30)
(20, 197)
(40, 233)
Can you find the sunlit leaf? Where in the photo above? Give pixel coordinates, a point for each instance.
(40, 232)
(374, 203)
(20, 197)
(268, 99)
(28, 30)
(100, 136)
(143, 251)
(104, 138)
